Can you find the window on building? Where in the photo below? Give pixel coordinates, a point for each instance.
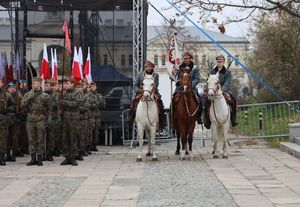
(196, 59)
(155, 60)
(122, 60)
(237, 57)
(130, 60)
(105, 59)
(204, 60)
(163, 60)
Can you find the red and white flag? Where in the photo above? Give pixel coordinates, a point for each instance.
(67, 37)
(87, 68)
(76, 68)
(18, 66)
(2, 67)
(45, 69)
(10, 68)
(173, 58)
(80, 58)
(54, 67)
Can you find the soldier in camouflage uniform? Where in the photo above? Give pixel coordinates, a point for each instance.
(23, 138)
(84, 105)
(36, 103)
(53, 117)
(5, 102)
(14, 113)
(70, 107)
(90, 122)
(96, 104)
(56, 133)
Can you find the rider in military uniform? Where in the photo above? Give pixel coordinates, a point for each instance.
(225, 81)
(36, 103)
(149, 70)
(189, 65)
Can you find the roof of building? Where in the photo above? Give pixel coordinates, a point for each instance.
(190, 33)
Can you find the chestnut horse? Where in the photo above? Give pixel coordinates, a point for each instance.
(185, 114)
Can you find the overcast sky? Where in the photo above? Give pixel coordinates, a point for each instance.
(234, 29)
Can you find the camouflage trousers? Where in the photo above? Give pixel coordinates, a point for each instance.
(13, 139)
(53, 134)
(70, 144)
(95, 131)
(89, 131)
(37, 136)
(3, 138)
(81, 134)
(23, 138)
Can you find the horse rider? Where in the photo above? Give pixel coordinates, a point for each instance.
(225, 81)
(138, 88)
(188, 64)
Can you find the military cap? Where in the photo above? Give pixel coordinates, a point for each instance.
(37, 79)
(220, 57)
(21, 81)
(187, 55)
(10, 84)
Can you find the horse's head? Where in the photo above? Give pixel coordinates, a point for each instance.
(186, 79)
(148, 87)
(213, 86)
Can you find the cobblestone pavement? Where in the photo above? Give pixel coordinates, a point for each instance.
(254, 175)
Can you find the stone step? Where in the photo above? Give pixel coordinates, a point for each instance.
(294, 131)
(291, 148)
(297, 140)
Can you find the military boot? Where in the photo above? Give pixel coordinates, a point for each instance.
(32, 161)
(94, 148)
(80, 156)
(7, 157)
(13, 157)
(39, 160)
(2, 160)
(73, 161)
(199, 115)
(88, 149)
(66, 161)
(50, 156)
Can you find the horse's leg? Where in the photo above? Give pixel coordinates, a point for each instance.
(141, 141)
(190, 140)
(148, 135)
(183, 145)
(152, 142)
(178, 143)
(225, 133)
(215, 134)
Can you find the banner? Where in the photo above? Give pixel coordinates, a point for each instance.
(173, 58)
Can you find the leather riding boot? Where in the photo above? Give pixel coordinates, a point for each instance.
(199, 115)
(39, 160)
(233, 118)
(2, 160)
(207, 122)
(73, 161)
(66, 161)
(32, 161)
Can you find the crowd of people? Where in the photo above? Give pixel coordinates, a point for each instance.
(51, 119)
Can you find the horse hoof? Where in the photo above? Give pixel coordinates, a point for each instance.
(154, 159)
(177, 153)
(139, 159)
(215, 156)
(225, 156)
(186, 152)
(149, 154)
(182, 158)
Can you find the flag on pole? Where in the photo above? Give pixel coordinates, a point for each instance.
(75, 67)
(18, 66)
(173, 58)
(80, 58)
(2, 67)
(5, 64)
(87, 68)
(10, 68)
(45, 70)
(67, 37)
(54, 69)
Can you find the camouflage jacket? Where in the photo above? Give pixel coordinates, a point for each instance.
(84, 102)
(37, 105)
(70, 103)
(97, 102)
(5, 101)
(53, 114)
(14, 109)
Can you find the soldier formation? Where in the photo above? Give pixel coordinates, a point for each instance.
(51, 119)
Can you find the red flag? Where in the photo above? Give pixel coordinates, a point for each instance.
(67, 37)
(76, 68)
(87, 68)
(45, 70)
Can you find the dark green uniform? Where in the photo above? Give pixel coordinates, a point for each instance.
(97, 102)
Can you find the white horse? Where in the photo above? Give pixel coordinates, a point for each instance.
(219, 113)
(147, 118)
